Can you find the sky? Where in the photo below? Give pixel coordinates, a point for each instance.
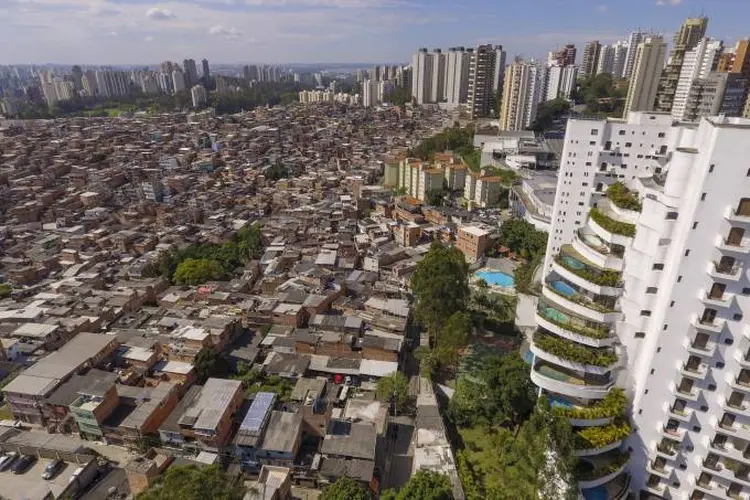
(330, 31)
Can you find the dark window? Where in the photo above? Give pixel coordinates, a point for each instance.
(737, 316)
(658, 267)
(679, 279)
(746, 291)
(628, 144)
(719, 364)
(687, 252)
(645, 313)
(640, 335)
(671, 215)
(711, 168)
(651, 289)
(703, 197)
(704, 408)
(695, 224)
(621, 132)
(661, 135)
(729, 341)
(671, 304)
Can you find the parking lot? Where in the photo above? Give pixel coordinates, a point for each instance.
(30, 484)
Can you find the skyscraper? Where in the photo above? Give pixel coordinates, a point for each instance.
(644, 80)
(421, 81)
(606, 60)
(590, 59)
(634, 39)
(644, 292)
(206, 70)
(190, 71)
(199, 96)
(521, 94)
(437, 87)
(619, 58)
(560, 82)
(372, 93)
(77, 73)
(178, 80)
(714, 94)
(485, 79)
(458, 63)
(566, 56)
(697, 64)
(691, 32)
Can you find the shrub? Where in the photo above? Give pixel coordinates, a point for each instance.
(598, 437)
(611, 225)
(624, 197)
(605, 278)
(600, 468)
(571, 351)
(613, 405)
(586, 331)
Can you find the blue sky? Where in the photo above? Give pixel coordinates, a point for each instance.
(278, 31)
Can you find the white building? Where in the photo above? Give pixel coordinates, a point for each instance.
(178, 80)
(372, 93)
(644, 290)
(486, 77)
(644, 82)
(634, 39)
(421, 79)
(458, 62)
(199, 96)
(697, 64)
(560, 82)
(522, 92)
(619, 58)
(606, 59)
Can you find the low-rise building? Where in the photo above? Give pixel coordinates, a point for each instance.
(472, 242)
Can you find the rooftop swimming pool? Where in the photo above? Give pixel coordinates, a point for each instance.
(496, 278)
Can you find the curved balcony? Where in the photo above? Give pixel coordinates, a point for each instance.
(566, 324)
(593, 248)
(560, 293)
(572, 356)
(599, 470)
(598, 440)
(588, 452)
(584, 413)
(583, 273)
(622, 214)
(606, 226)
(617, 488)
(569, 383)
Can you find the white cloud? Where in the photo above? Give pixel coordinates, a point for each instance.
(148, 39)
(159, 14)
(602, 8)
(224, 31)
(668, 2)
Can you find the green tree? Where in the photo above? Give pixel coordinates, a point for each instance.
(548, 112)
(345, 488)
(441, 285)
(522, 237)
(197, 271)
(423, 485)
(5, 290)
(190, 482)
(393, 388)
(210, 363)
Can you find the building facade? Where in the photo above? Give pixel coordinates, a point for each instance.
(646, 282)
(485, 79)
(521, 94)
(644, 81)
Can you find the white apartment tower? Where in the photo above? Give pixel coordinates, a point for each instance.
(606, 61)
(697, 64)
(619, 58)
(372, 93)
(199, 96)
(560, 82)
(178, 80)
(635, 38)
(421, 81)
(458, 61)
(521, 94)
(437, 88)
(640, 323)
(644, 81)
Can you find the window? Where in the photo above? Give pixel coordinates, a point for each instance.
(729, 341)
(653, 371)
(737, 316)
(695, 224)
(746, 291)
(711, 168)
(671, 304)
(645, 313)
(703, 197)
(592, 143)
(687, 252)
(664, 328)
(719, 364)
(621, 132)
(658, 267)
(628, 144)
(651, 289)
(679, 279)
(671, 215)
(640, 335)
(594, 131)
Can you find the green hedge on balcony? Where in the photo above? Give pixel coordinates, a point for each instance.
(613, 405)
(588, 438)
(624, 197)
(605, 278)
(576, 353)
(586, 331)
(588, 471)
(611, 225)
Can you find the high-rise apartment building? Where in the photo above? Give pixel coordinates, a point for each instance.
(635, 38)
(644, 80)
(112, 83)
(458, 63)
(697, 63)
(741, 60)
(521, 94)
(619, 58)
(437, 87)
(485, 79)
(566, 56)
(560, 82)
(691, 32)
(372, 93)
(421, 82)
(606, 60)
(590, 59)
(190, 71)
(715, 94)
(89, 82)
(178, 80)
(199, 96)
(206, 70)
(644, 293)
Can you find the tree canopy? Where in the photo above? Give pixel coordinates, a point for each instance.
(528, 242)
(423, 485)
(197, 271)
(501, 393)
(456, 139)
(210, 363)
(345, 488)
(441, 285)
(190, 482)
(548, 112)
(601, 95)
(394, 388)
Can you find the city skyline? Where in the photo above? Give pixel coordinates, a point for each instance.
(93, 32)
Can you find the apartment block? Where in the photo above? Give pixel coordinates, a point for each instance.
(472, 241)
(646, 282)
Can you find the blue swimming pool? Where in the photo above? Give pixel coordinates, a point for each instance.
(564, 288)
(496, 278)
(556, 401)
(598, 493)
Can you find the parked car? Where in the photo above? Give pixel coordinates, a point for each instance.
(52, 469)
(23, 464)
(7, 460)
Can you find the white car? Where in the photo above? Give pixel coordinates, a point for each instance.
(7, 459)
